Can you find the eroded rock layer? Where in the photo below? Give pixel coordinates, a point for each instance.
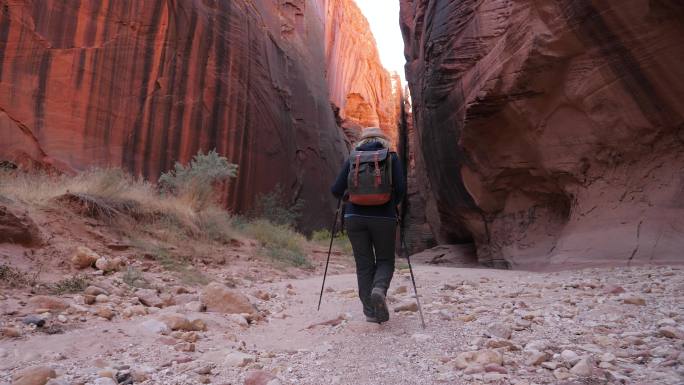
(360, 87)
(142, 84)
(551, 132)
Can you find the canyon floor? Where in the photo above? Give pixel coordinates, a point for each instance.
(592, 326)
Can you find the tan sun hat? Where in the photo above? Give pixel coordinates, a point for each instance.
(373, 132)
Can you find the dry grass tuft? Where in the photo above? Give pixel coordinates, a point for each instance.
(280, 242)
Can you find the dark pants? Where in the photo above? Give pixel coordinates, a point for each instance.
(373, 242)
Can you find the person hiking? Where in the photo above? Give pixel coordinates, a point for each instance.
(372, 182)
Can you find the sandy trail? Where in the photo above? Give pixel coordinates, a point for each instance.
(547, 312)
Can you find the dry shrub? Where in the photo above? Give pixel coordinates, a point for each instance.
(341, 241)
(280, 242)
(70, 285)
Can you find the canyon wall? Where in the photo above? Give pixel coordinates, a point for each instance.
(142, 84)
(361, 89)
(551, 133)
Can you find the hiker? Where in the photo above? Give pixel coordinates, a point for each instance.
(372, 183)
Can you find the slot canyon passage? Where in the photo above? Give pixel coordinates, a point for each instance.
(543, 144)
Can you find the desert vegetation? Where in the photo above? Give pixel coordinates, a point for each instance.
(174, 220)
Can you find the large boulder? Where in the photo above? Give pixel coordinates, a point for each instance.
(218, 298)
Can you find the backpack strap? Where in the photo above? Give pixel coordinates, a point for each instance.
(356, 171)
(378, 179)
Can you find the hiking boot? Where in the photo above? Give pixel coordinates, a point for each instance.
(372, 319)
(377, 299)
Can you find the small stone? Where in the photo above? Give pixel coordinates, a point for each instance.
(671, 332)
(89, 299)
(105, 381)
(607, 357)
(33, 320)
(561, 374)
(407, 306)
(474, 369)
(176, 321)
(189, 337)
(195, 306)
(550, 365)
(613, 289)
(35, 375)
(238, 359)
(238, 319)
(584, 367)
(185, 347)
(62, 318)
(47, 303)
(468, 318)
(481, 357)
(106, 265)
(569, 356)
(535, 358)
(538, 345)
(198, 325)
(101, 298)
(204, 370)
(95, 291)
(493, 377)
(83, 257)
(634, 301)
(260, 377)
(149, 297)
(499, 330)
(10, 332)
(494, 368)
(218, 298)
(401, 290)
(105, 313)
(155, 326)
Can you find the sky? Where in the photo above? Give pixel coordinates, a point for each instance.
(383, 17)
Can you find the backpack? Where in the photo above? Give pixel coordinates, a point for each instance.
(369, 182)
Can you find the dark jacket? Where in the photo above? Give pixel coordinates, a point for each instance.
(388, 210)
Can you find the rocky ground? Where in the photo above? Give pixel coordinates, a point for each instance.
(597, 326)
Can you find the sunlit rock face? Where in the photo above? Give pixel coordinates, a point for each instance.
(360, 87)
(142, 84)
(551, 132)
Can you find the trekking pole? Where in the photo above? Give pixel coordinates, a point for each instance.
(415, 289)
(413, 280)
(405, 252)
(332, 236)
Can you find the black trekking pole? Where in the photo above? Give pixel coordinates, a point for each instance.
(413, 280)
(332, 236)
(405, 253)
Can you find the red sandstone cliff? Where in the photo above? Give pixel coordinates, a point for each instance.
(360, 87)
(141, 84)
(551, 132)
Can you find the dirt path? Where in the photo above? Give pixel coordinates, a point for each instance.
(517, 323)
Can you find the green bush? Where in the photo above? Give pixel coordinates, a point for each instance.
(275, 207)
(280, 242)
(196, 181)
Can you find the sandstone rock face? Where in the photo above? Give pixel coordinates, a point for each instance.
(361, 89)
(552, 132)
(142, 84)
